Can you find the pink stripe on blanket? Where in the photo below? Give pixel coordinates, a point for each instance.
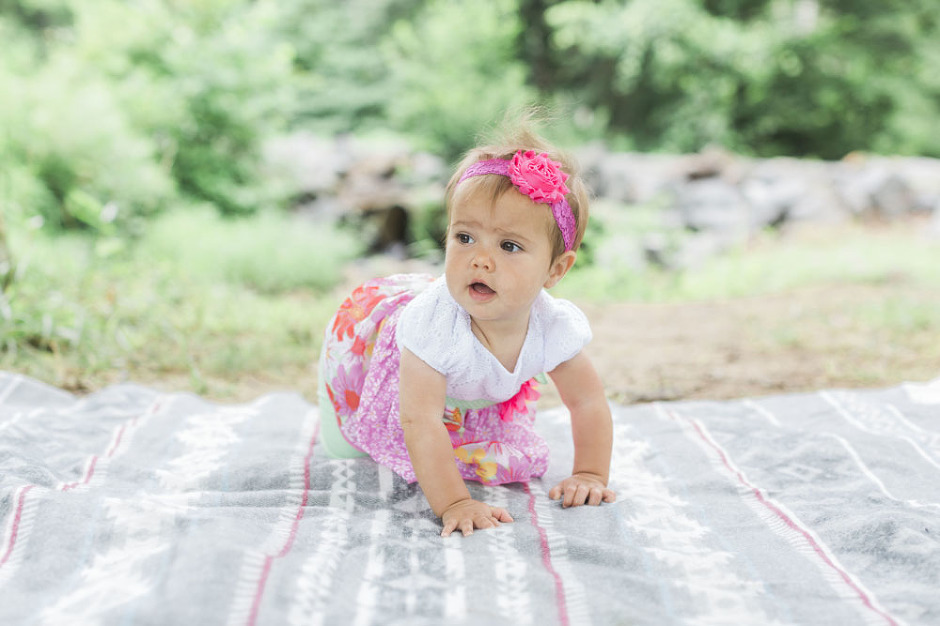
(15, 526)
(115, 443)
(89, 474)
(789, 522)
(116, 440)
(292, 535)
(560, 598)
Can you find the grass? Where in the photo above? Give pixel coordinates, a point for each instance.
(231, 309)
(772, 262)
(197, 302)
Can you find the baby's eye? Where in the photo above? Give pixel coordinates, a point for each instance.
(464, 238)
(509, 246)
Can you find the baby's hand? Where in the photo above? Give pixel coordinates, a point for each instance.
(582, 488)
(466, 515)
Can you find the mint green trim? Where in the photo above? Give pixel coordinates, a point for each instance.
(333, 440)
(465, 405)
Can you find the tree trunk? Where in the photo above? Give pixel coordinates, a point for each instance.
(535, 44)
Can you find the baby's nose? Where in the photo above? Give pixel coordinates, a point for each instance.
(483, 260)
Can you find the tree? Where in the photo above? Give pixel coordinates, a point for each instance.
(798, 77)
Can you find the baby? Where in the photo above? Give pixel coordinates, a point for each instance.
(436, 378)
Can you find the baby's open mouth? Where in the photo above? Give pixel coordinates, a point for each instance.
(482, 288)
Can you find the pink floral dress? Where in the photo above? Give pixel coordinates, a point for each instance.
(494, 442)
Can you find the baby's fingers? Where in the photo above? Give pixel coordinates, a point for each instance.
(501, 515)
(573, 493)
(466, 527)
(599, 495)
(576, 495)
(449, 527)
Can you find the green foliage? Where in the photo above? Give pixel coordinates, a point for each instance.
(37, 15)
(205, 80)
(766, 78)
(135, 105)
(269, 252)
(60, 148)
(454, 71)
(181, 304)
(236, 89)
(138, 103)
(342, 70)
(124, 109)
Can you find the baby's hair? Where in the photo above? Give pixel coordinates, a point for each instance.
(509, 140)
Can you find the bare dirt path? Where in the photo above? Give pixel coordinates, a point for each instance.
(837, 336)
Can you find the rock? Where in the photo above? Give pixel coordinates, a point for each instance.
(773, 187)
(615, 178)
(691, 251)
(893, 197)
(627, 177)
(698, 248)
(423, 168)
(933, 229)
(371, 184)
(718, 197)
(711, 162)
(870, 188)
(656, 249)
(711, 204)
(310, 165)
(620, 251)
(820, 203)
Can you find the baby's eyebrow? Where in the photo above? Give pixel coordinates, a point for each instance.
(508, 234)
(465, 223)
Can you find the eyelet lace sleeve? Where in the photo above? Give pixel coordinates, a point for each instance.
(429, 328)
(566, 330)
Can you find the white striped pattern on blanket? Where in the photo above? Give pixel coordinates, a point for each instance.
(132, 506)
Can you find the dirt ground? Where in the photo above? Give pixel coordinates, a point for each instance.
(837, 336)
(800, 341)
(796, 342)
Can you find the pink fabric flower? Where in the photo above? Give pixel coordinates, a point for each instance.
(359, 346)
(537, 176)
(355, 309)
(517, 404)
(346, 389)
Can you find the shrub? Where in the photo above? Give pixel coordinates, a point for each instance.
(269, 252)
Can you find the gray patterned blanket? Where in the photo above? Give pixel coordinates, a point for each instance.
(130, 506)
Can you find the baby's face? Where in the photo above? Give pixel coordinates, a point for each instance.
(499, 254)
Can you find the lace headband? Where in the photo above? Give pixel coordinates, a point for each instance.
(538, 177)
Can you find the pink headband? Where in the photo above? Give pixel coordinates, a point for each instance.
(538, 177)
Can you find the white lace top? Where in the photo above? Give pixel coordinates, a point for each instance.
(437, 330)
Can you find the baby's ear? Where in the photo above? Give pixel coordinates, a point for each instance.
(560, 267)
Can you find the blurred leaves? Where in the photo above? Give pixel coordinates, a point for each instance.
(143, 105)
(135, 104)
(800, 77)
(452, 82)
(196, 293)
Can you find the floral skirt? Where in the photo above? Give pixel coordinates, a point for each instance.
(359, 367)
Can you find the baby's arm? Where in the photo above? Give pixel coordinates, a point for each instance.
(592, 429)
(422, 394)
